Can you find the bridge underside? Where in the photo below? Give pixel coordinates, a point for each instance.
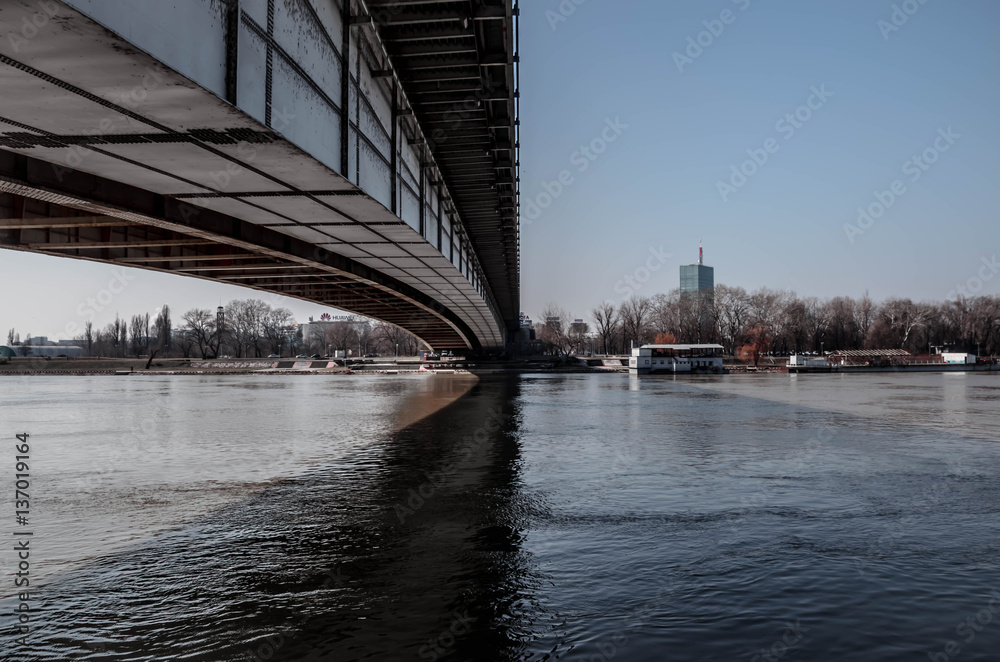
(72, 214)
(357, 155)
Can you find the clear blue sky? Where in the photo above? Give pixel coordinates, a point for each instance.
(657, 183)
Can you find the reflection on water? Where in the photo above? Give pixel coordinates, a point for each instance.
(117, 459)
(410, 545)
(569, 517)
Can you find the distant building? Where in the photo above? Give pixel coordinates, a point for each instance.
(697, 278)
(698, 288)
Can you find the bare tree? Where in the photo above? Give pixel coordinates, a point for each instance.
(984, 323)
(901, 317)
(184, 342)
(246, 322)
(116, 337)
(139, 334)
(88, 337)
(577, 337)
(732, 308)
(864, 315)
(552, 332)
(388, 337)
(765, 307)
(25, 347)
(665, 317)
(797, 326)
(278, 329)
(606, 319)
(164, 330)
(635, 314)
(364, 337)
(341, 335)
(842, 331)
(199, 324)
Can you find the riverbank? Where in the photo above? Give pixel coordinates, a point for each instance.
(114, 366)
(252, 366)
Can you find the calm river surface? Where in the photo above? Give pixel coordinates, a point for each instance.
(541, 517)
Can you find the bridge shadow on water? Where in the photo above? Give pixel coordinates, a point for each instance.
(410, 549)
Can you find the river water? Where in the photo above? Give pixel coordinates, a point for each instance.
(540, 517)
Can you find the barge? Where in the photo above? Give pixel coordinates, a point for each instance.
(891, 361)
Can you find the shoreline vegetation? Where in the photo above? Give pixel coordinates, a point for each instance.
(753, 324)
(408, 365)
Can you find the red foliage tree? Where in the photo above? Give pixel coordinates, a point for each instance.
(758, 342)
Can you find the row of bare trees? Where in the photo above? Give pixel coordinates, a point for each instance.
(358, 335)
(781, 321)
(247, 328)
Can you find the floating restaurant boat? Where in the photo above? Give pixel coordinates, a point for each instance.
(676, 359)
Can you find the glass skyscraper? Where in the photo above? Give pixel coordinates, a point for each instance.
(697, 278)
(698, 288)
